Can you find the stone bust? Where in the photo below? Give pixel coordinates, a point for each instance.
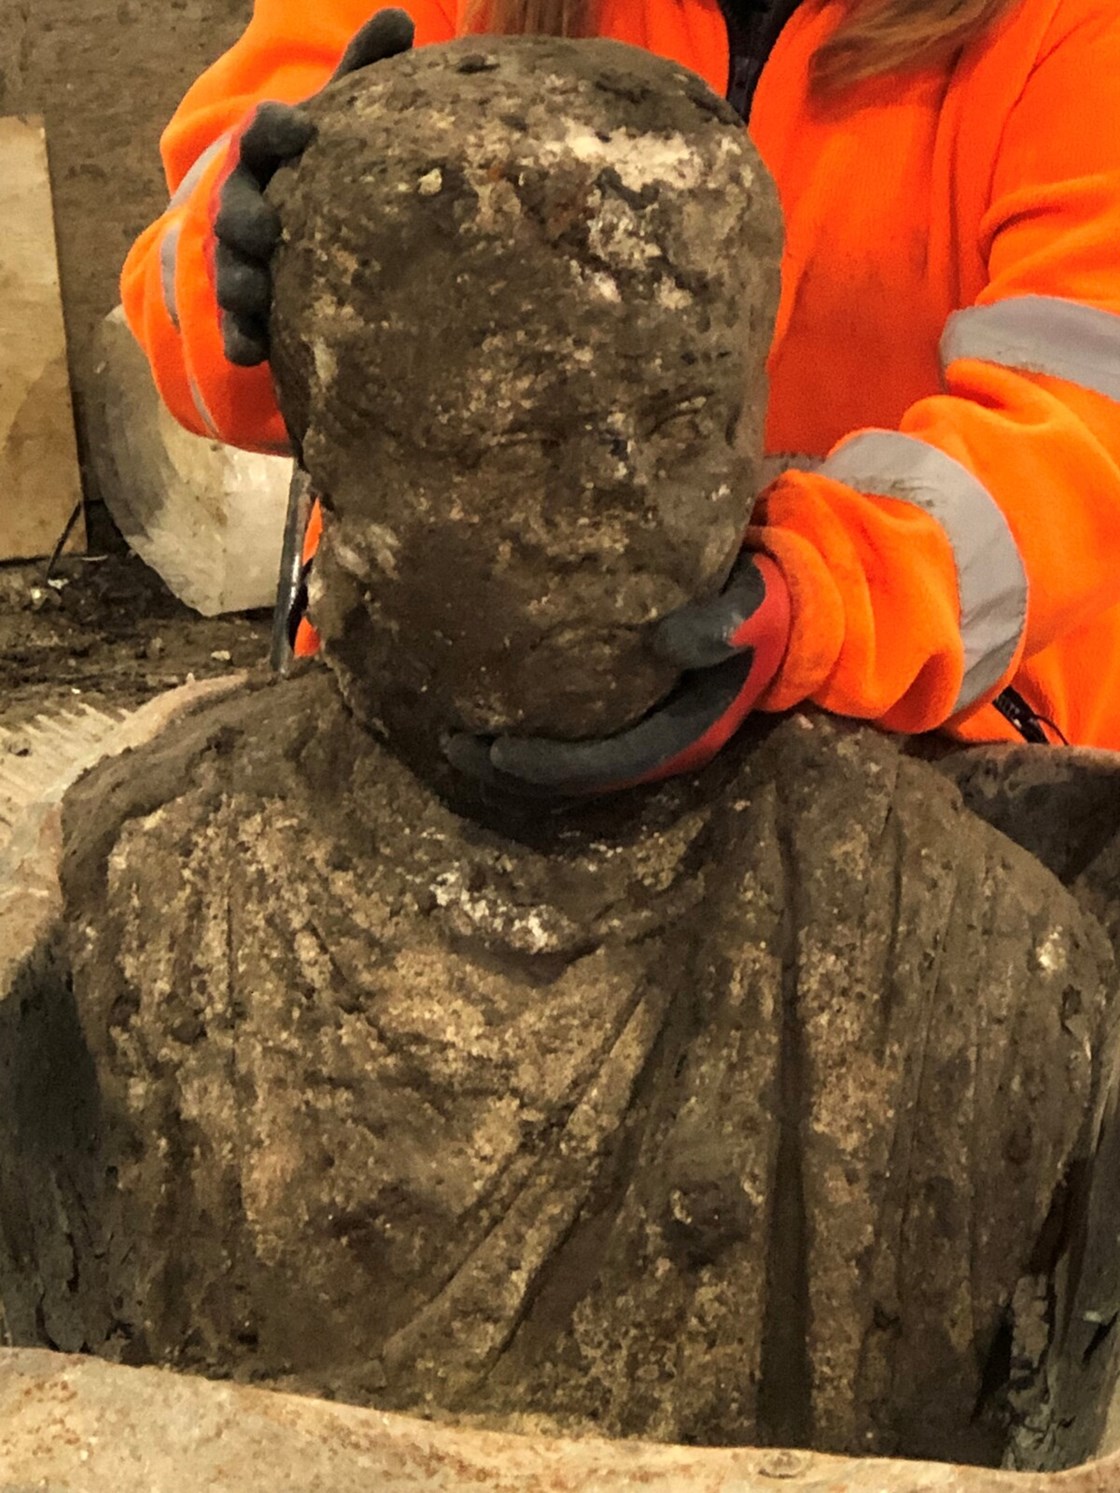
(763, 1106)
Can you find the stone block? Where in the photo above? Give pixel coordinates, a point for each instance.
(75, 1425)
(206, 517)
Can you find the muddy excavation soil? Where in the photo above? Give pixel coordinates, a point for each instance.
(107, 632)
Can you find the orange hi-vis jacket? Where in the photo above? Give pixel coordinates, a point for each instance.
(946, 359)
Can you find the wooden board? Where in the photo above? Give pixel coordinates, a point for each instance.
(40, 484)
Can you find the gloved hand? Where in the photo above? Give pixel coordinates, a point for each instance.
(731, 646)
(246, 228)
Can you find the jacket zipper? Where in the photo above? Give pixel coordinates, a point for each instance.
(1030, 725)
(753, 26)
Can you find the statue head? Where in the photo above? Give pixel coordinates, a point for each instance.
(522, 308)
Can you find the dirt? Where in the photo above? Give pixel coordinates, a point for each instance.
(107, 632)
(106, 74)
(668, 1108)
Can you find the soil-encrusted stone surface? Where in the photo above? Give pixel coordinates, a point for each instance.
(88, 1427)
(812, 1135)
(522, 310)
(763, 1107)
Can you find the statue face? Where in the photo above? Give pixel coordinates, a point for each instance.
(517, 592)
(522, 313)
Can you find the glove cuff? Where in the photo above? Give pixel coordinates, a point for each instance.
(167, 288)
(767, 629)
(815, 615)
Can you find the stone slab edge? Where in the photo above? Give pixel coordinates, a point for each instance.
(31, 849)
(78, 1425)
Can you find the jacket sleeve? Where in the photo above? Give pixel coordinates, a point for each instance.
(928, 564)
(287, 52)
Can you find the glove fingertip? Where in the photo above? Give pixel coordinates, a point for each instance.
(387, 34)
(691, 639)
(245, 342)
(705, 633)
(276, 134)
(396, 29)
(468, 754)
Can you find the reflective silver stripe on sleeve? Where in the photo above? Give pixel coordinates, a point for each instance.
(991, 582)
(169, 245)
(168, 249)
(1040, 334)
(203, 412)
(194, 175)
(773, 464)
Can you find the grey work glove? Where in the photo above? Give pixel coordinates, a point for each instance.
(246, 227)
(730, 648)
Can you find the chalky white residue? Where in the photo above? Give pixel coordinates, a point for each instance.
(326, 365)
(672, 297)
(603, 284)
(384, 545)
(533, 930)
(346, 557)
(616, 234)
(639, 159)
(1052, 955)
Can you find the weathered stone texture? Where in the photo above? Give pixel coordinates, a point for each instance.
(736, 1111)
(516, 339)
(1064, 808)
(79, 1426)
(776, 1104)
(208, 518)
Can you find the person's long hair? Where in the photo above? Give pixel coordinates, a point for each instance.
(532, 17)
(876, 37)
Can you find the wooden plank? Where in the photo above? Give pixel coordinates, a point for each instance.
(40, 483)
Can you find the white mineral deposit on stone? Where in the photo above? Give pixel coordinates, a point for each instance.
(615, 233)
(326, 365)
(384, 546)
(349, 558)
(207, 518)
(638, 159)
(672, 296)
(603, 284)
(534, 930)
(1052, 954)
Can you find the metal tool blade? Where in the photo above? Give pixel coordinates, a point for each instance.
(300, 500)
